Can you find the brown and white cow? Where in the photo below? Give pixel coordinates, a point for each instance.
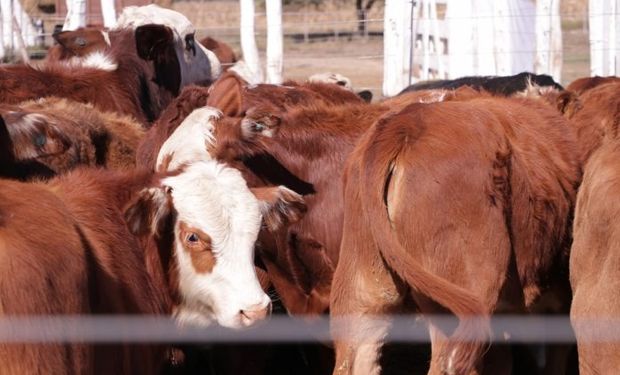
(195, 63)
(52, 135)
(132, 243)
(149, 58)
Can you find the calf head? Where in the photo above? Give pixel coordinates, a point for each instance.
(78, 43)
(168, 38)
(216, 220)
(32, 135)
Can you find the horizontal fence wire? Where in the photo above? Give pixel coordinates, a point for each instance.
(284, 329)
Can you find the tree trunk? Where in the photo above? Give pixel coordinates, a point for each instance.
(362, 15)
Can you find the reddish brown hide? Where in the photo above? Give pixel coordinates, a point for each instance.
(77, 221)
(54, 135)
(439, 199)
(134, 87)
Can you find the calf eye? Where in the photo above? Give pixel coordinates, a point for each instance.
(257, 127)
(39, 140)
(190, 44)
(192, 238)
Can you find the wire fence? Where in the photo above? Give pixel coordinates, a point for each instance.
(506, 329)
(320, 41)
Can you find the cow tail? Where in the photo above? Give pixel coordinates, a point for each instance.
(468, 342)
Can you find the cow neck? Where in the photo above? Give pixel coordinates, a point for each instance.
(115, 187)
(317, 136)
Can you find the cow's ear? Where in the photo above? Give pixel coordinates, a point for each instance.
(152, 40)
(72, 40)
(226, 94)
(279, 206)
(148, 212)
(156, 43)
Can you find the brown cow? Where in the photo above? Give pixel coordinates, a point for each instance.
(440, 200)
(132, 243)
(312, 143)
(55, 135)
(121, 81)
(594, 256)
(580, 85)
(233, 97)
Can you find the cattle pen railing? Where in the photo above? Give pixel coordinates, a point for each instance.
(506, 329)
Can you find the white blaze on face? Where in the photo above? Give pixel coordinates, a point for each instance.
(197, 63)
(218, 220)
(190, 140)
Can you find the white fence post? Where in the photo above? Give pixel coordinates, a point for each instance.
(548, 39)
(2, 50)
(484, 61)
(6, 12)
(274, 41)
(461, 29)
(597, 37)
(396, 49)
(616, 45)
(502, 38)
(248, 41)
(76, 15)
(108, 12)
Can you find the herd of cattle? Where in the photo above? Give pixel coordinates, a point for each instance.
(142, 173)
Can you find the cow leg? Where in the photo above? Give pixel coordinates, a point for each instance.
(597, 344)
(362, 293)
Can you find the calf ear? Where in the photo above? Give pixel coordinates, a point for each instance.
(366, 95)
(71, 41)
(226, 94)
(156, 43)
(279, 206)
(33, 136)
(152, 39)
(148, 211)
